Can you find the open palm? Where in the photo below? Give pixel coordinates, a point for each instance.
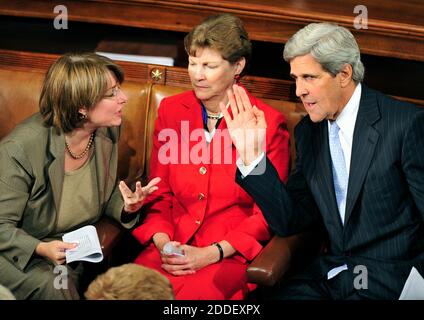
(247, 127)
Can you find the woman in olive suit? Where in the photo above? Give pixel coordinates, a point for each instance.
(58, 173)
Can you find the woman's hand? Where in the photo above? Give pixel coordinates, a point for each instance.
(54, 250)
(160, 239)
(195, 258)
(247, 127)
(133, 201)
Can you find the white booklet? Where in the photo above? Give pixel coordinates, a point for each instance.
(414, 287)
(88, 248)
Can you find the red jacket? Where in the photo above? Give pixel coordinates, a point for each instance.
(198, 201)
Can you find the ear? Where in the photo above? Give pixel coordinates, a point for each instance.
(346, 75)
(240, 64)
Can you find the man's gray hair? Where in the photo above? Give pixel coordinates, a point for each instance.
(331, 45)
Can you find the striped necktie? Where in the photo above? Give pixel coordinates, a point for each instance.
(340, 174)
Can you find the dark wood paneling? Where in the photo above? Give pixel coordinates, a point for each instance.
(395, 28)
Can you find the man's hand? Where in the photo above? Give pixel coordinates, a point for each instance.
(247, 127)
(134, 200)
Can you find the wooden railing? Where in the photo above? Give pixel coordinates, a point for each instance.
(170, 76)
(267, 88)
(395, 28)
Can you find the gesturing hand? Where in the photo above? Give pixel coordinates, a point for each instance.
(247, 127)
(134, 200)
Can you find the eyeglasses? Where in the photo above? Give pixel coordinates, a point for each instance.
(114, 93)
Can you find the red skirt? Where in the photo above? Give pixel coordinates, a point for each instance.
(225, 280)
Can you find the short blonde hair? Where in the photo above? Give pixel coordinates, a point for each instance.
(75, 80)
(130, 282)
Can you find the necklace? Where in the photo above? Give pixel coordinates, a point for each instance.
(214, 117)
(82, 154)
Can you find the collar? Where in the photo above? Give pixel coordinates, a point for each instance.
(349, 113)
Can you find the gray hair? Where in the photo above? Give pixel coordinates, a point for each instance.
(331, 45)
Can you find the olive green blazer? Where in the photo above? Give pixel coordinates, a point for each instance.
(31, 179)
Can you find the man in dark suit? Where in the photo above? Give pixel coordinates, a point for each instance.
(359, 172)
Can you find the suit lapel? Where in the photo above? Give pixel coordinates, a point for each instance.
(105, 164)
(56, 168)
(324, 173)
(365, 139)
(190, 125)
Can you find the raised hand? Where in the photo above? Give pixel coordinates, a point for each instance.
(134, 200)
(247, 127)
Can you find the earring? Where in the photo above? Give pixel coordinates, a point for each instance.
(82, 116)
(237, 78)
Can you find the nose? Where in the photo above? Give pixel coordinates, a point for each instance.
(122, 97)
(300, 88)
(199, 74)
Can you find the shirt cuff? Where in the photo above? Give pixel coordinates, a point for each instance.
(245, 170)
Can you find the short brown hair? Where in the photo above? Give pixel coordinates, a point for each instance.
(130, 282)
(224, 33)
(75, 80)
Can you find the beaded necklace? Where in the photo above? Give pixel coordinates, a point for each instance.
(206, 116)
(82, 154)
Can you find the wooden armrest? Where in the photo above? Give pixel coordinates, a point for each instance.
(276, 258)
(109, 232)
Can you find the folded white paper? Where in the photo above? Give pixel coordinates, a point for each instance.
(414, 287)
(164, 61)
(88, 248)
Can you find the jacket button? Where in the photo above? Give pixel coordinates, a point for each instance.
(15, 259)
(201, 196)
(202, 170)
(197, 221)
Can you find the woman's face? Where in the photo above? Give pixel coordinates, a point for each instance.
(211, 75)
(108, 111)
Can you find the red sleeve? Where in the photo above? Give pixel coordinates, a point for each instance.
(159, 203)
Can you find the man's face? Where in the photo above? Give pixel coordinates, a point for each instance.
(320, 91)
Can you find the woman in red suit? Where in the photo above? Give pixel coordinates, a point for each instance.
(199, 208)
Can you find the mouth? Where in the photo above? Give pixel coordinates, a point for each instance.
(309, 105)
(200, 87)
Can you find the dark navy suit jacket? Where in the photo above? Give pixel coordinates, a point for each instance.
(384, 228)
